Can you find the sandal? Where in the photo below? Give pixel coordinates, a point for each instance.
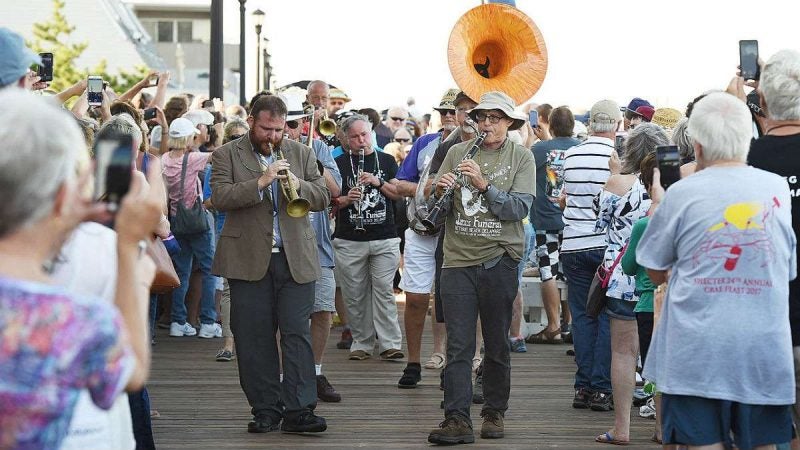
(546, 337)
(476, 362)
(392, 354)
(607, 438)
(411, 376)
(656, 439)
(436, 361)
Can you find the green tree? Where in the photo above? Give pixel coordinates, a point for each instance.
(52, 35)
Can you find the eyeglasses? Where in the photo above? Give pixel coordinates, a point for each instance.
(398, 119)
(402, 140)
(446, 112)
(492, 118)
(293, 124)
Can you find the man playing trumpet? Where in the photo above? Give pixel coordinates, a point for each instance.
(483, 244)
(270, 260)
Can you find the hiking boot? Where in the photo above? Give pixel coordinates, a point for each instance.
(582, 399)
(492, 427)
(325, 391)
(454, 430)
(602, 401)
(346, 341)
(477, 390)
(305, 422)
(412, 375)
(263, 423)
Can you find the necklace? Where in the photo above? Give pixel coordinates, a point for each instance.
(479, 160)
(353, 167)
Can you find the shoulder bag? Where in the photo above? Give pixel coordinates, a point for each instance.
(596, 300)
(188, 221)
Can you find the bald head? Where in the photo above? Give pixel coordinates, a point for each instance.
(317, 94)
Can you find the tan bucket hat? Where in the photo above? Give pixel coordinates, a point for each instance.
(502, 102)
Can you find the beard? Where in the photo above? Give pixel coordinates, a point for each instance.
(263, 145)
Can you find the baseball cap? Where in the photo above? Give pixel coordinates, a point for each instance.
(605, 111)
(646, 112)
(182, 127)
(636, 103)
(15, 57)
(199, 116)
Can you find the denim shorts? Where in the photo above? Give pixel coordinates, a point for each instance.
(692, 420)
(620, 309)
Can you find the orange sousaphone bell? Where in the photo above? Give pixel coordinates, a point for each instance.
(496, 47)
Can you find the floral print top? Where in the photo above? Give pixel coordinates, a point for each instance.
(53, 345)
(616, 216)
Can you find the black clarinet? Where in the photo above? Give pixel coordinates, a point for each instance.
(359, 228)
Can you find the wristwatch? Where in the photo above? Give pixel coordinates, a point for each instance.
(488, 185)
(381, 182)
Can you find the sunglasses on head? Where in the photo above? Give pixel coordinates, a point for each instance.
(398, 119)
(401, 140)
(293, 124)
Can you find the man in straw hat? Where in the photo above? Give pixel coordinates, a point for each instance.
(420, 247)
(336, 101)
(483, 245)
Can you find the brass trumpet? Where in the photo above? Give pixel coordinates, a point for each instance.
(296, 206)
(327, 127)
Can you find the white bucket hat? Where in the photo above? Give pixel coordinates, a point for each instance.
(502, 102)
(294, 106)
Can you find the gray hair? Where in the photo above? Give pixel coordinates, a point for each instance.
(350, 121)
(680, 137)
(41, 150)
(234, 123)
(602, 127)
(120, 125)
(642, 141)
(721, 124)
(780, 84)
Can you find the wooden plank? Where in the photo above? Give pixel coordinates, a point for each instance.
(202, 405)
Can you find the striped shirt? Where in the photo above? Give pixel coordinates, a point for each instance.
(585, 173)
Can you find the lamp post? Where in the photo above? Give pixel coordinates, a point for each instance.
(242, 99)
(216, 50)
(258, 18)
(266, 55)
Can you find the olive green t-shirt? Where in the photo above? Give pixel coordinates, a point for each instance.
(474, 235)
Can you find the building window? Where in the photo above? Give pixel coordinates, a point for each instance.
(165, 31)
(185, 31)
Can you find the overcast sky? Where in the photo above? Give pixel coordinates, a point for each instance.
(381, 52)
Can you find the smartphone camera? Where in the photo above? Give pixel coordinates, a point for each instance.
(154, 80)
(45, 70)
(113, 166)
(94, 90)
(748, 60)
(533, 118)
(149, 113)
(669, 164)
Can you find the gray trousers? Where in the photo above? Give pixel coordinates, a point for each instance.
(258, 310)
(466, 293)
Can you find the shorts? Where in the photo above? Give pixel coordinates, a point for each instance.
(530, 241)
(692, 420)
(419, 263)
(325, 291)
(620, 309)
(548, 243)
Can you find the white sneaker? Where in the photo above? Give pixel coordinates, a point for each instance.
(648, 411)
(178, 330)
(210, 330)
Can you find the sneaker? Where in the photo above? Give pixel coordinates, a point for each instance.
(477, 390)
(518, 345)
(263, 424)
(602, 401)
(305, 422)
(347, 340)
(648, 411)
(358, 355)
(640, 397)
(210, 330)
(412, 375)
(492, 427)
(639, 379)
(392, 354)
(582, 399)
(224, 355)
(178, 330)
(454, 430)
(325, 391)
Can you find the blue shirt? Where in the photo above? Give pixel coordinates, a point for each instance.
(421, 152)
(320, 221)
(338, 151)
(274, 191)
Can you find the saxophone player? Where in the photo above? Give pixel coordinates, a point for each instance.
(483, 244)
(270, 260)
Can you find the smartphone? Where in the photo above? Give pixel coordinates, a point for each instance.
(154, 80)
(748, 60)
(94, 90)
(113, 167)
(149, 113)
(669, 164)
(45, 70)
(619, 144)
(533, 118)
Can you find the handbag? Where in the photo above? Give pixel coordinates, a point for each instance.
(188, 221)
(166, 279)
(596, 300)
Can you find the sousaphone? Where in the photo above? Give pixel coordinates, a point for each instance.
(496, 47)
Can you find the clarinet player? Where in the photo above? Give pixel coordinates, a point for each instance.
(483, 245)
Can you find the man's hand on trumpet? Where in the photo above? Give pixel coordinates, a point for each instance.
(271, 173)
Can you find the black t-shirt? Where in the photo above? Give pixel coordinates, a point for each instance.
(781, 156)
(441, 152)
(378, 211)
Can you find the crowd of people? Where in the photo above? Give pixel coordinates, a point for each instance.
(284, 214)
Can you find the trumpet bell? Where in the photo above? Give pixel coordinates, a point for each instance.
(298, 207)
(327, 127)
(496, 47)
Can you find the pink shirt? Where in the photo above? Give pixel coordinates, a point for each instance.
(172, 174)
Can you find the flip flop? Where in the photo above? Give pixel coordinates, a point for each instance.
(607, 438)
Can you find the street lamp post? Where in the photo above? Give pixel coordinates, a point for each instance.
(215, 73)
(242, 99)
(258, 18)
(266, 55)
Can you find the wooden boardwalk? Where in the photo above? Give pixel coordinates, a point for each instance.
(203, 407)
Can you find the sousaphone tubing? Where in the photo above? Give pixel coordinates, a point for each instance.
(496, 47)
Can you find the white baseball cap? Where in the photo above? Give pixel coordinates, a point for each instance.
(181, 127)
(200, 116)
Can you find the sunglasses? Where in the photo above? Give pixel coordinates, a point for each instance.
(446, 112)
(402, 140)
(293, 124)
(492, 118)
(398, 119)
(235, 137)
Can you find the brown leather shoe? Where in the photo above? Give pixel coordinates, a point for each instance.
(454, 430)
(358, 355)
(492, 427)
(325, 391)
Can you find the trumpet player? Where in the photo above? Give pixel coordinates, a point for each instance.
(271, 265)
(366, 242)
(483, 244)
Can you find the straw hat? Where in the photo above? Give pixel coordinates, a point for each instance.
(339, 94)
(667, 117)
